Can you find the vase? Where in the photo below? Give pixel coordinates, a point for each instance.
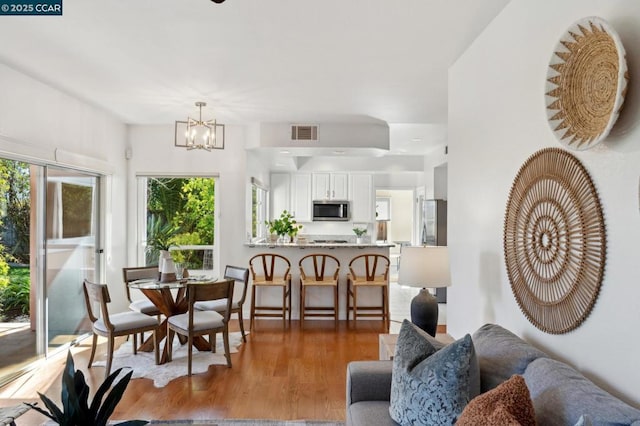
(359, 240)
(164, 255)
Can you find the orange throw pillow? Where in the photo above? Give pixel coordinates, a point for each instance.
(507, 404)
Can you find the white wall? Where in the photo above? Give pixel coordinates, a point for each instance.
(496, 121)
(39, 123)
(433, 164)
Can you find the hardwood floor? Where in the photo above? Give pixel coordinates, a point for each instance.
(290, 374)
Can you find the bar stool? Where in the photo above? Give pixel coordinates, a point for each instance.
(325, 270)
(368, 271)
(263, 267)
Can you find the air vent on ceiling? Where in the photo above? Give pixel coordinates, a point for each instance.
(304, 132)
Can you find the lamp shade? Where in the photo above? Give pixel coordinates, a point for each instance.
(425, 267)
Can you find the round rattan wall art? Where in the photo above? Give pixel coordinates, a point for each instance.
(586, 83)
(554, 241)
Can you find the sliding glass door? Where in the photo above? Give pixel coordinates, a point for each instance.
(71, 252)
(18, 276)
(49, 243)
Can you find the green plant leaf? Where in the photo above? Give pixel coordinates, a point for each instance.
(56, 413)
(102, 390)
(82, 392)
(133, 423)
(75, 398)
(69, 397)
(112, 399)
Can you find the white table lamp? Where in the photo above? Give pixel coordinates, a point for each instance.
(425, 267)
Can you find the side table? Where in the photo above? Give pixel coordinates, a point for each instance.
(387, 344)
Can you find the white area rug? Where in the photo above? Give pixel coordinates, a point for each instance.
(143, 364)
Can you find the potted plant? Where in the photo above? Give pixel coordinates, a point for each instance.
(274, 227)
(284, 225)
(359, 233)
(76, 409)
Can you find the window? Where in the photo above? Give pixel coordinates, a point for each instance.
(178, 214)
(259, 208)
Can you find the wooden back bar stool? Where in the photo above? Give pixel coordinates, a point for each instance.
(319, 270)
(270, 270)
(372, 271)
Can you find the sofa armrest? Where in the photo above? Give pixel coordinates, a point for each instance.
(368, 381)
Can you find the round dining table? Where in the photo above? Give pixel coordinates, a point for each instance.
(170, 298)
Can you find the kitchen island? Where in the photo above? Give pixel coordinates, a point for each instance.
(343, 251)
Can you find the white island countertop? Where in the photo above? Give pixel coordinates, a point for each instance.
(312, 245)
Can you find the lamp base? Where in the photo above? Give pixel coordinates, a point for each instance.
(424, 312)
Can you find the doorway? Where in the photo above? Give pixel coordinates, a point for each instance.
(395, 209)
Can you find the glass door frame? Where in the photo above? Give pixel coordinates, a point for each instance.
(38, 243)
(43, 282)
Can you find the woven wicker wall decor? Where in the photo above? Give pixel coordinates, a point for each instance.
(554, 241)
(586, 83)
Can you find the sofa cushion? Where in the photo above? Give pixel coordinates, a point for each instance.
(561, 395)
(507, 404)
(430, 387)
(369, 381)
(367, 413)
(501, 354)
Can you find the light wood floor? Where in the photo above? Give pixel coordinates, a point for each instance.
(292, 374)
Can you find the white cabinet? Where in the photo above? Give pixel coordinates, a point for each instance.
(330, 186)
(301, 196)
(362, 197)
(280, 193)
(339, 186)
(321, 189)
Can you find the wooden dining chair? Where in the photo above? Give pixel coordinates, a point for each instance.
(114, 325)
(198, 323)
(241, 278)
(270, 270)
(144, 306)
(320, 271)
(368, 271)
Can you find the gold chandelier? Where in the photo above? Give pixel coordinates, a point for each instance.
(199, 134)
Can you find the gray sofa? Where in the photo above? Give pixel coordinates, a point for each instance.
(560, 394)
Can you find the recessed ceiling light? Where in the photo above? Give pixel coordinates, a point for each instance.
(402, 150)
(416, 140)
(338, 152)
(285, 152)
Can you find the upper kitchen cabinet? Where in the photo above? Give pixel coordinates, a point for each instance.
(301, 196)
(330, 186)
(362, 197)
(280, 193)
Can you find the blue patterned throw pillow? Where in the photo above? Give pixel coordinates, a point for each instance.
(431, 386)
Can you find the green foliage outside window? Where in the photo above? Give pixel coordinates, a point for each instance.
(14, 293)
(180, 211)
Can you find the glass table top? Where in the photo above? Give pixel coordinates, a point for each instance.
(151, 284)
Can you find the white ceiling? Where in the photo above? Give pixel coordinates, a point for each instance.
(300, 61)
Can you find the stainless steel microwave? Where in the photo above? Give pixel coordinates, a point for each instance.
(331, 210)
